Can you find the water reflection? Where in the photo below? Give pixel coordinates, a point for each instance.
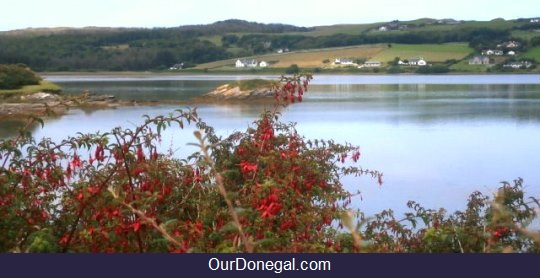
(435, 142)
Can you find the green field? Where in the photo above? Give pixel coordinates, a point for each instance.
(525, 35)
(379, 52)
(430, 52)
(534, 53)
(349, 29)
(307, 58)
(463, 66)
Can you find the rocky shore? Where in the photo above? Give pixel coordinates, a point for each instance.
(42, 103)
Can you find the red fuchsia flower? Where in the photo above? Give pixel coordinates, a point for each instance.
(248, 167)
(136, 226)
(64, 239)
(76, 162)
(198, 227)
(68, 171)
(270, 211)
(80, 196)
(138, 170)
(379, 179)
(99, 153)
(140, 153)
(342, 157)
(197, 175)
(356, 156)
(92, 190)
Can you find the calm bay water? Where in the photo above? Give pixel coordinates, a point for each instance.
(436, 138)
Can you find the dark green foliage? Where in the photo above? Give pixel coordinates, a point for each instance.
(433, 69)
(292, 69)
(227, 40)
(535, 41)
(500, 224)
(16, 76)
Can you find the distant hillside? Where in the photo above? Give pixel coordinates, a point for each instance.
(241, 26)
(137, 49)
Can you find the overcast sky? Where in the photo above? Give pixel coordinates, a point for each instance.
(20, 14)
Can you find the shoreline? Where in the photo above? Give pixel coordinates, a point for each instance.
(43, 104)
(261, 73)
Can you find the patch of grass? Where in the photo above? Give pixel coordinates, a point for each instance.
(349, 29)
(533, 53)
(525, 35)
(430, 52)
(463, 66)
(493, 24)
(213, 39)
(44, 86)
(116, 47)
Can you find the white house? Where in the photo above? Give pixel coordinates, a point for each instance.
(479, 60)
(518, 65)
(488, 52)
(498, 52)
(263, 64)
(242, 63)
(177, 66)
(372, 64)
(512, 44)
(344, 61)
(401, 63)
(511, 53)
(419, 61)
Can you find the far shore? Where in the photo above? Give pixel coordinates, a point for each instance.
(255, 73)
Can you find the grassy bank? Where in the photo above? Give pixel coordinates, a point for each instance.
(430, 52)
(44, 86)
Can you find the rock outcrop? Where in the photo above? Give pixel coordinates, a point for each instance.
(233, 92)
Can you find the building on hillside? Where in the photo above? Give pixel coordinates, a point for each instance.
(513, 44)
(177, 66)
(417, 61)
(479, 60)
(511, 53)
(488, 52)
(509, 44)
(344, 61)
(372, 64)
(518, 65)
(243, 63)
(263, 64)
(402, 63)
